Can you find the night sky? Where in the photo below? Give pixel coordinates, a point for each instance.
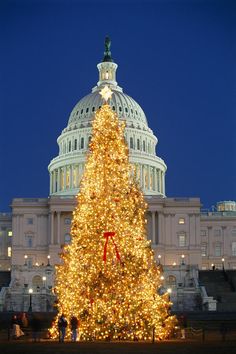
(177, 59)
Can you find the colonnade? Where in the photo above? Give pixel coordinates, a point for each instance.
(68, 177)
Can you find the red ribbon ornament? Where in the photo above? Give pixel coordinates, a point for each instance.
(111, 235)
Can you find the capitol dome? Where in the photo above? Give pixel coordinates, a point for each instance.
(67, 168)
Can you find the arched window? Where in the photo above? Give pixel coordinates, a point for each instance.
(131, 141)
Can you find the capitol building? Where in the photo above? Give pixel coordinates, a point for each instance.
(185, 239)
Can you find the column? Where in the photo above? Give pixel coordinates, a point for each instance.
(163, 183)
(224, 239)
(210, 250)
(161, 180)
(52, 227)
(141, 176)
(71, 177)
(153, 228)
(50, 182)
(54, 181)
(58, 227)
(160, 236)
(148, 177)
(64, 177)
(154, 179)
(158, 181)
(58, 180)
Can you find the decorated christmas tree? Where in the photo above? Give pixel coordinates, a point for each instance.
(108, 277)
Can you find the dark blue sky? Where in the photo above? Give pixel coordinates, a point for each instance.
(177, 59)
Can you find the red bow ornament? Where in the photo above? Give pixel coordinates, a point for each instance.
(111, 235)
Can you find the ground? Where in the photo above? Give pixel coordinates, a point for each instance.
(165, 347)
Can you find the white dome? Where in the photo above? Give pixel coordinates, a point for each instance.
(125, 107)
(67, 168)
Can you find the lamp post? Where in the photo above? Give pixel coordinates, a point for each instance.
(25, 257)
(223, 263)
(48, 257)
(169, 291)
(44, 281)
(30, 299)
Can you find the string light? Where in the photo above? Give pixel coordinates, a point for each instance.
(108, 277)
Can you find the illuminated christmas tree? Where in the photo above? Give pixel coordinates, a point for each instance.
(108, 277)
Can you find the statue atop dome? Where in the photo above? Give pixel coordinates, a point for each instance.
(107, 53)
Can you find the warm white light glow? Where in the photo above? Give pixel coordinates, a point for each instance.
(25, 256)
(30, 291)
(162, 277)
(169, 290)
(44, 278)
(49, 256)
(223, 259)
(174, 263)
(183, 256)
(159, 256)
(106, 93)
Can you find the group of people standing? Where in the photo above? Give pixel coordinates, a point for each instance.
(62, 325)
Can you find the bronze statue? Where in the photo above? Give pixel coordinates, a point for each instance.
(107, 53)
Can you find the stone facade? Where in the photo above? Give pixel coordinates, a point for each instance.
(184, 239)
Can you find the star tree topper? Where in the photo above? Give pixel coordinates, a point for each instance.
(106, 93)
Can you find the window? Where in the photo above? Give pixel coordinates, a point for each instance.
(181, 221)
(9, 233)
(75, 144)
(93, 109)
(30, 221)
(171, 280)
(67, 221)
(67, 239)
(87, 109)
(204, 249)
(182, 239)
(131, 143)
(9, 251)
(144, 146)
(203, 232)
(138, 144)
(126, 109)
(233, 248)
(29, 241)
(217, 232)
(218, 250)
(233, 232)
(82, 143)
(69, 146)
(120, 109)
(81, 112)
